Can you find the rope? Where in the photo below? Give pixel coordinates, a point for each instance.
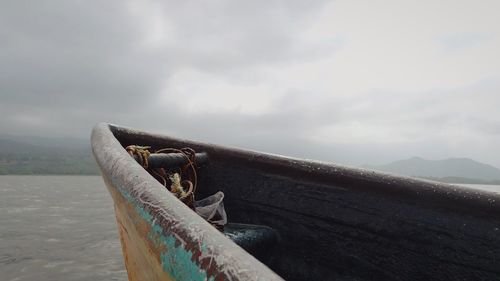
(142, 153)
(189, 154)
(182, 188)
(181, 182)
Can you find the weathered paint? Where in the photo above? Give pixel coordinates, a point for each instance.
(335, 222)
(175, 260)
(141, 264)
(161, 238)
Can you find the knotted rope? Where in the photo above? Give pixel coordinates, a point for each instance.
(182, 188)
(142, 153)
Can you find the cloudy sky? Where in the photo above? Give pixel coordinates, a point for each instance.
(346, 81)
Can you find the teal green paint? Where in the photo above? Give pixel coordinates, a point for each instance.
(176, 260)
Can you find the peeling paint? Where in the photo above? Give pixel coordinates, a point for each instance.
(176, 260)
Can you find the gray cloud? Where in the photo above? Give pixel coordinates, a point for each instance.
(280, 76)
(72, 55)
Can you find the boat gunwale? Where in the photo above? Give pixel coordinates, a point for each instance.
(194, 234)
(425, 192)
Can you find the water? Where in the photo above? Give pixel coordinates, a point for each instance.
(58, 228)
(487, 187)
(63, 228)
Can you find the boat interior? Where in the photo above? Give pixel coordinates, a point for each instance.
(315, 221)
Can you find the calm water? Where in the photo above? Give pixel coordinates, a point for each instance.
(491, 188)
(63, 228)
(58, 228)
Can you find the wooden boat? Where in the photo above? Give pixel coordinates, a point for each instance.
(328, 222)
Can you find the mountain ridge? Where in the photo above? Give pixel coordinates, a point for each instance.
(39, 155)
(450, 169)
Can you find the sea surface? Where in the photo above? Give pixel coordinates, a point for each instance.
(487, 187)
(63, 228)
(58, 228)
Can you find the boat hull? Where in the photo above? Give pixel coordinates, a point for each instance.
(161, 238)
(334, 222)
(141, 258)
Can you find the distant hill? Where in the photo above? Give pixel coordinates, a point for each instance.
(455, 170)
(37, 155)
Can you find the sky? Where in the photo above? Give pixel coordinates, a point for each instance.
(352, 82)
